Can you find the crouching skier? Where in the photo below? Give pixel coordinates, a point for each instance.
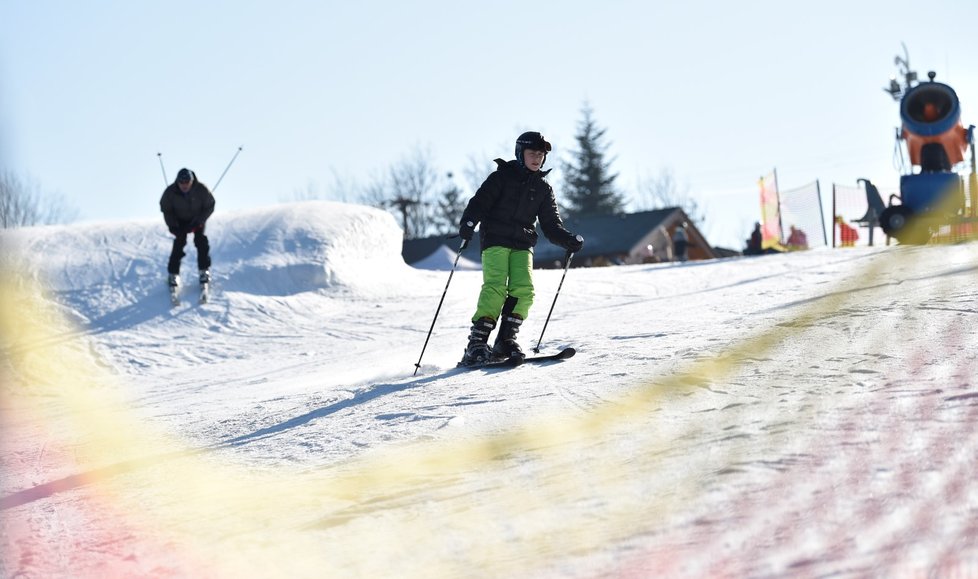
(508, 205)
(187, 204)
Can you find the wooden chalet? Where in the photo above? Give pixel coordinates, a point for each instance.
(643, 237)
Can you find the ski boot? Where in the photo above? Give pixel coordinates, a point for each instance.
(205, 286)
(477, 351)
(506, 347)
(173, 281)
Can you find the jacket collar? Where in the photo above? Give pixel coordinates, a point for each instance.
(515, 166)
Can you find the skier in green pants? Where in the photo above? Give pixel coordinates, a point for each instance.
(508, 205)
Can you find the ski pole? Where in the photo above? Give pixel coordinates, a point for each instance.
(570, 256)
(166, 182)
(465, 243)
(226, 169)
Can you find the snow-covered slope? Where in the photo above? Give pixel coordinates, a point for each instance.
(285, 250)
(803, 414)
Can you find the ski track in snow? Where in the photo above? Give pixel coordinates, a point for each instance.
(837, 444)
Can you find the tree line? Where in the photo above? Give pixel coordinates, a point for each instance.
(425, 200)
(24, 204)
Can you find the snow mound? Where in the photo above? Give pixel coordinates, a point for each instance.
(310, 246)
(443, 258)
(276, 251)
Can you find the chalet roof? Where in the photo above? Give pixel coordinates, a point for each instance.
(604, 235)
(414, 250)
(608, 234)
(445, 257)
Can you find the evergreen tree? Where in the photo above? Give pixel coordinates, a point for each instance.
(588, 181)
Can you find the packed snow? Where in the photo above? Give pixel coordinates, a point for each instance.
(806, 414)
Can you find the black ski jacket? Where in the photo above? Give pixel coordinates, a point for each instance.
(183, 213)
(508, 205)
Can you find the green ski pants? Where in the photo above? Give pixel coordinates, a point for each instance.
(507, 279)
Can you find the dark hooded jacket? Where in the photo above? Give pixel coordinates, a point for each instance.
(508, 205)
(183, 213)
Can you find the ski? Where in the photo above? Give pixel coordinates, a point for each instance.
(205, 294)
(512, 363)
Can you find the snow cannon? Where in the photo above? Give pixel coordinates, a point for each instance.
(931, 115)
(931, 194)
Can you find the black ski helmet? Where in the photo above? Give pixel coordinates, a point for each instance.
(535, 142)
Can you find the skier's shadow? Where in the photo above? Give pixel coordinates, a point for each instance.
(361, 397)
(72, 482)
(122, 318)
(150, 305)
(132, 315)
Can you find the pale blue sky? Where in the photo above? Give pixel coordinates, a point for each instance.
(718, 92)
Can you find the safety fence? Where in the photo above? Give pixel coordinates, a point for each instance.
(850, 216)
(802, 222)
(853, 222)
(555, 497)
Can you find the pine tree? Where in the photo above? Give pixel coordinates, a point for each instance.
(588, 181)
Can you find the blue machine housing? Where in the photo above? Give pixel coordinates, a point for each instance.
(924, 192)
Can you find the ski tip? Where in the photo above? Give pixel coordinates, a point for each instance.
(567, 353)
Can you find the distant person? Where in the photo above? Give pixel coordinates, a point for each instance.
(508, 205)
(755, 242)
(847, 233)
(680, 243)
(797, 239)
(186, 205)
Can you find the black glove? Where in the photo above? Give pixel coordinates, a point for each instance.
(574, 244)
(466, 229)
